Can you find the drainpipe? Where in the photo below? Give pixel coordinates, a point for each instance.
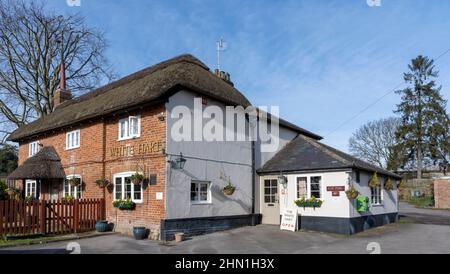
(253, 177)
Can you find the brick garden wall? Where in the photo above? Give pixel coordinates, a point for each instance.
(442, 193)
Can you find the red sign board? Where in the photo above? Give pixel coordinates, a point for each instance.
(336, 188)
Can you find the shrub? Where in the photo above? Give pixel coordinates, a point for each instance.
(3, 194)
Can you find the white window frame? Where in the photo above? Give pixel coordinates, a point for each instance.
(70, 139)
(73, 189)
(297, 186)
(123, 175)
(35, 195)
(33, 148)
(198, 201)
(127, 134)
(378, 197)
(320, 186)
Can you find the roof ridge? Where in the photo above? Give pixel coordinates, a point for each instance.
(183, 58)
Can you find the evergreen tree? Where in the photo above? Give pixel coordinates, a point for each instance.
(424, 129)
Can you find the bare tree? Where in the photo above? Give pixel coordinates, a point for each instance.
(32, 41)
(375, 142)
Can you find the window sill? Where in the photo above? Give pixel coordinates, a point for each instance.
(200, 203)
(72, 148)
(378, 205)
(128, 138)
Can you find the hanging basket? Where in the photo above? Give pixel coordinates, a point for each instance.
(13, 192)
(137, 179)
(229, 190)
(374, 182)
(388, 185)
(102, 183)
(352, 193)
(75, 182)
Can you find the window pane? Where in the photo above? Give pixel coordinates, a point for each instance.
(315, 186)
(123, 128)
(134, 129)
(267, 199)
(194, 192)
(127, 188)
(203, 192)
(301, 187)
(118, 188)
(77, 193)
(267, 183)
(137, 192)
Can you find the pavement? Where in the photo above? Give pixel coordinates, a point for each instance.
(423, 231)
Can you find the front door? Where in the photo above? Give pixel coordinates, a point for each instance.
(270, 206)
(54, 190)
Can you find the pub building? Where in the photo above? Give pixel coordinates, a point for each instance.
(124, 128)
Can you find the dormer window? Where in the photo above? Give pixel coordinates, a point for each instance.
(129, 128)
(73, 139)
(33, 148)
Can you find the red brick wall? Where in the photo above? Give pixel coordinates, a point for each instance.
(93, 160)
(442, 193)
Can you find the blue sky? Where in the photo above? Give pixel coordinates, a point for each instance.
(321, 61)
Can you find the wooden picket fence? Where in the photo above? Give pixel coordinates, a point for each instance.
(23, 218)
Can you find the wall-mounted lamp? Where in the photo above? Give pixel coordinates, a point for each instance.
(178, 163)
(282, 180)
(162, 116)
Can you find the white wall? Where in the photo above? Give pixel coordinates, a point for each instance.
(390, 198)
(205, 161)
(331, 207)
(286, 135)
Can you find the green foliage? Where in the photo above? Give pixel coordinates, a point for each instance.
(374, 182)
(424, 130)
(3, 193)
(389, 185)
(352, 193)
(124, 204)
(422, 202)
(137, 178)
(102, 182)
(8, 159)
(311, 202)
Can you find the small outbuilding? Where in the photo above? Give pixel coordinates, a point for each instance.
(314, 180)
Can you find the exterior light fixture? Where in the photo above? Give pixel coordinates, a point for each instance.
(178, 163)
(282, 180)
(162, 116)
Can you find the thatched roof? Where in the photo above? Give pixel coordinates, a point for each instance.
(306, 154)
(150, 85)
(46, 164)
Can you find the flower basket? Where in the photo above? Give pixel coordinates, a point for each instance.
(74, 182)
(388, 185)
(137, 178)
(69, 199)
(352, 193)
(311, 202)
(374, 182)
(124, 204)
(102, 183)
(229, 190)
(12, 192)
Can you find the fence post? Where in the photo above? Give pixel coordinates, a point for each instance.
(75, 215)
(43, 217)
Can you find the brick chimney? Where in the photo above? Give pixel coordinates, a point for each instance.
(60, 97)
(62, 94)
(225, 76)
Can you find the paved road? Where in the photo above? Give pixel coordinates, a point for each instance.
(429, 235)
